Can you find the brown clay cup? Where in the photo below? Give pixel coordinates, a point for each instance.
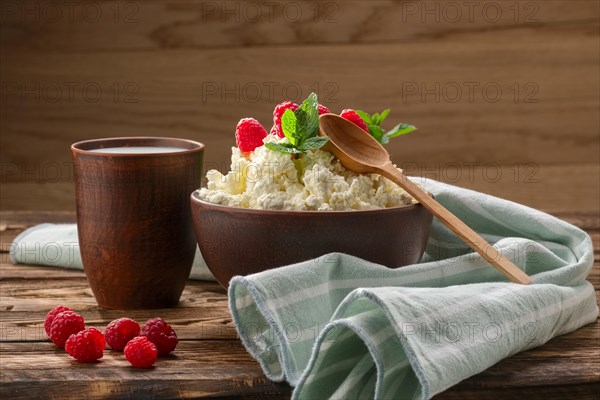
(240, 241)
(135, 230)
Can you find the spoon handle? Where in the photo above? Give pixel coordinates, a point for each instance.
(468, 235)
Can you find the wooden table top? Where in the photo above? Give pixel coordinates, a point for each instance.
(210, 361)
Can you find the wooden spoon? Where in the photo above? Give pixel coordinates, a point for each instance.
(360, 152)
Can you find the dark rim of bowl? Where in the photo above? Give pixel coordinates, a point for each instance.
(196, 198)
(190, 145)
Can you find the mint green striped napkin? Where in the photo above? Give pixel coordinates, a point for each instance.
(343, 328)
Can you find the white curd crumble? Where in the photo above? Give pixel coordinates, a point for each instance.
(269, 180)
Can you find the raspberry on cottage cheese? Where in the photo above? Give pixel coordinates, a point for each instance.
(270, 180)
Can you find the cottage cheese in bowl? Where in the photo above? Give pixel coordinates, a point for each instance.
(286, 199)
(269, 180)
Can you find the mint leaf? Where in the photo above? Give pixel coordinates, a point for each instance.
(376, 132)
(301, 128)
(384, 115)
(282, 148)
(313, 143)
(374, 124)
(289, 125)
(376, 118)
(301, 119)
(365, 117)
(400, 129)
(307, 116)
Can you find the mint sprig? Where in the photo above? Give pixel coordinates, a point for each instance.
(374, 124)
(301, 128)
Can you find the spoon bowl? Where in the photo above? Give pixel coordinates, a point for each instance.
(361, 153)
(358, 151)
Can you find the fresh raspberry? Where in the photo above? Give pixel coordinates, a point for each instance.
(323, 109)
(161, 334)
(141, 352)
(64, 325)
(352, 116)
(276, 131)
(278, 113)
(249, 134)
(51, 315)
(86, 346)
(120, 331)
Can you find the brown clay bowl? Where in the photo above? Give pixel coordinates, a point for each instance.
(239, 241)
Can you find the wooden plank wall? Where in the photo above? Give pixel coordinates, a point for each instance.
(505, 93)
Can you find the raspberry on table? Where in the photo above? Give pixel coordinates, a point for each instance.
(161, 334)
(278, 113)
(352, 116)
(64, 325)
(141, 352)
(120, 331)
(323, 110)
(86, 346)
(51, 315)
(249, 134)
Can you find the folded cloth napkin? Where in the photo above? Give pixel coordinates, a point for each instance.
(343, 328)
(57, 245)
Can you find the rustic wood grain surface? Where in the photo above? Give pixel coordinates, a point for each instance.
(210, 360)
(496, 87)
